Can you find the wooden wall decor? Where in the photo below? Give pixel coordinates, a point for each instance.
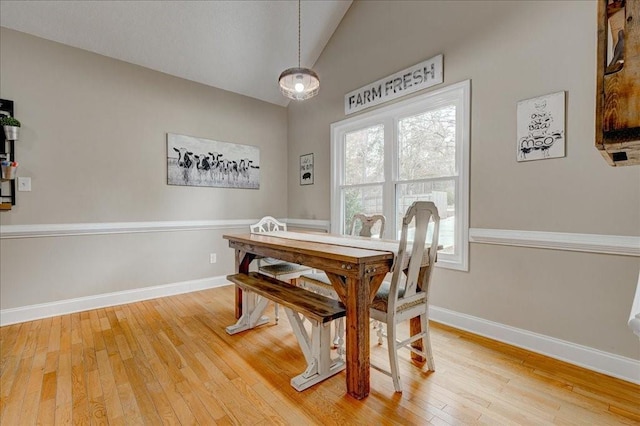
(618, 85)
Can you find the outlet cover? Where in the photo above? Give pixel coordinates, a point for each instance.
(213, 258)
(24, 183)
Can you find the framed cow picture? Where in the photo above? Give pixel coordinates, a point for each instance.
(306, 169)
(194, 161)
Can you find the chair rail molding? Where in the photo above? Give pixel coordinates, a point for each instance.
(592, 243)
(323, 225)
(74, 229)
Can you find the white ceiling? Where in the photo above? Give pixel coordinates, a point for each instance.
(239, 46)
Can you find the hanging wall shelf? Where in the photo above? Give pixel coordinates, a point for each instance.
(7, 153)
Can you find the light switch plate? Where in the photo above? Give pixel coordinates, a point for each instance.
(24, 183)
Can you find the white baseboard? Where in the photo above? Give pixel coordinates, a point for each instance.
(613, 365)
(593, 359)
(62, 307)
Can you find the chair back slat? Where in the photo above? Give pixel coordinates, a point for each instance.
(422, 212)
(368, 223)
(268, 224)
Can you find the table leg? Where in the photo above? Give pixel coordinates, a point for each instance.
(357, 294)
(243, 260)
(357, 304)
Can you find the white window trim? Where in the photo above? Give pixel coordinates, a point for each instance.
(403, 108)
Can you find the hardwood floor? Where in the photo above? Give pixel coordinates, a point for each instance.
(170, 361)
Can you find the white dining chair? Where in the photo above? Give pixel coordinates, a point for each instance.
(276, 268)
(361, 225)
(407, 294)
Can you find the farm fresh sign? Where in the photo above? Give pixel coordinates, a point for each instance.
(418, 77)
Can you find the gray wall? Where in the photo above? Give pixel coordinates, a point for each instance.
(111, 168)
(94, 143)
(510, 51)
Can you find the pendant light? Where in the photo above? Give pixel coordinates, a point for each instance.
(299, 83)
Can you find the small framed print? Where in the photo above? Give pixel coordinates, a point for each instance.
(306, 169)
(540, 125)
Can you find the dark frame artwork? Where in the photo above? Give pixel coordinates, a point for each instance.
(618, 85)
(306, 169)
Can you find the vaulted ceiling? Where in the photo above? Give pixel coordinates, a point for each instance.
(239, 46)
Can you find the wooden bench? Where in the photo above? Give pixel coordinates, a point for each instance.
(298, 304)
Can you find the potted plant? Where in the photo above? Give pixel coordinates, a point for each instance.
(11, 127)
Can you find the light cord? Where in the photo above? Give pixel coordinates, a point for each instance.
(298, 33)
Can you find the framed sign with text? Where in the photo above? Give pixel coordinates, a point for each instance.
(306, 169)
(420, 76)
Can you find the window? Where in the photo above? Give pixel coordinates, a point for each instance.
(416, 150)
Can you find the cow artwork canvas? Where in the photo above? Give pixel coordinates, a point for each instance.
(193, 161)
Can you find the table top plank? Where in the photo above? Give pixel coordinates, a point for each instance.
(335, 252)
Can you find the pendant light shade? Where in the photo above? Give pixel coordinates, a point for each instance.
(299, 83)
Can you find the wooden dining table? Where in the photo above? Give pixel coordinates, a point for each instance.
(355, 266)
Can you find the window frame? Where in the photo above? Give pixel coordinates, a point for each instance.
(389, 116)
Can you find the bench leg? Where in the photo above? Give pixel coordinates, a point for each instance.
(317, 351)
(252, 308)
(338, 339)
